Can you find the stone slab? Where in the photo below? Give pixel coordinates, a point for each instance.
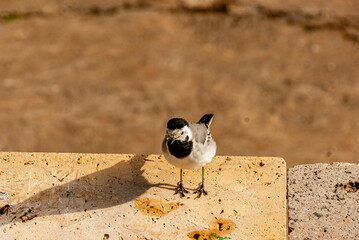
(125, 196)
(323, 201)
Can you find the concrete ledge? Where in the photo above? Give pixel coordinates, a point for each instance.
(124, 196)
(323, 201)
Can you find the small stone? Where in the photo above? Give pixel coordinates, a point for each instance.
(318, 214)
(69, 193)
(3, 195)
(331, 66)
(315, 48)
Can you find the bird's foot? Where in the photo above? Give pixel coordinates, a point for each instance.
(201, 191)
(181, 190)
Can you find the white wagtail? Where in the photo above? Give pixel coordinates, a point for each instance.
(189, 145)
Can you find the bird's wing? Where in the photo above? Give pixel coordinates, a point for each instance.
(164, 147)
(200, 132)
(206, 119)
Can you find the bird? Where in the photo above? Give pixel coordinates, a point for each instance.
(189, 145)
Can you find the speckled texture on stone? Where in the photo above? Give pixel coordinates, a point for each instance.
(118, 196)
(323, 201)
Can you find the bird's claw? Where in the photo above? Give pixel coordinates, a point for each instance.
(181, 190)
(201, 191)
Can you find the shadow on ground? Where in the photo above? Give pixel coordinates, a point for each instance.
(105, 188)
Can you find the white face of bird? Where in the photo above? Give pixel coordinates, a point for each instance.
(183, 134)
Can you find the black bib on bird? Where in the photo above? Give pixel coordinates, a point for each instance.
(180, 149)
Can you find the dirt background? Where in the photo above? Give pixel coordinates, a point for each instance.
(281, 77)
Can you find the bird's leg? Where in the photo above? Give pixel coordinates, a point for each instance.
(201, 190)
(180, 189)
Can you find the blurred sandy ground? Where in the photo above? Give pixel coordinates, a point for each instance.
(282, 78)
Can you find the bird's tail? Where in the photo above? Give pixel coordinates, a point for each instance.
(206, 119)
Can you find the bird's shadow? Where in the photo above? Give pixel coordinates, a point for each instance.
(109, 187)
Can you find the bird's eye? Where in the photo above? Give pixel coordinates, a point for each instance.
(182, 133)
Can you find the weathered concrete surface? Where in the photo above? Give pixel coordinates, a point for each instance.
(323, 201)
(96, 196)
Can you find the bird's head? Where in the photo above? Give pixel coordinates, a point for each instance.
(178, 130)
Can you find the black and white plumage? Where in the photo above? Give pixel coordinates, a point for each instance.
(189, 146)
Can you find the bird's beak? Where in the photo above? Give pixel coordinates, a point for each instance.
(176, 135)
(172, 140)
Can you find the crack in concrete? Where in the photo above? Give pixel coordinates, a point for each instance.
(347, 26)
